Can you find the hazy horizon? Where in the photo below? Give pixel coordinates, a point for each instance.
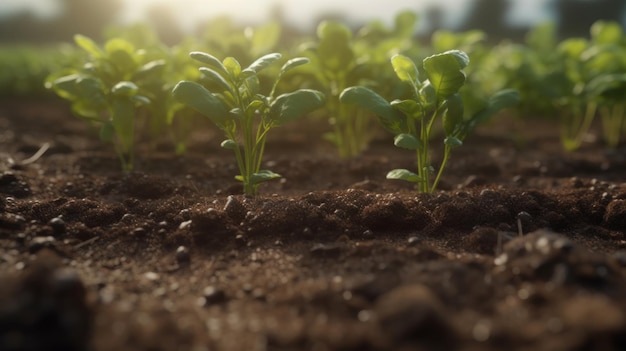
(190, 12)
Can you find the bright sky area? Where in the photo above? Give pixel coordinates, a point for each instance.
(299, 12)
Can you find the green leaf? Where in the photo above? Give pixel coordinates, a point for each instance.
(294, 105)
(125, 88)
(405, 69)
(216, 78)
(232, 67)
(260, 177)
(403, 174)
(606, 32)
(263, 176)
(453, 115)
(118, 44)
(453, 142)
(76, 86)
(88, 45)
(409, 107)
(264, 61)
(151, 68)
(608, 86)
(197, 97)
(208, 59)
(140, 99)
(229, 144)
(363, 97)
(247, 73)
(407, 141)
(254, 106)
(334, 49)
(121, 54)
(293, 63)
(445, 72)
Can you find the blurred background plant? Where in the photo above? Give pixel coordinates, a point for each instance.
(564, 57)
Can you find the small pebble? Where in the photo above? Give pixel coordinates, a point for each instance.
(412, 241)
(182, 255)
(58, 225)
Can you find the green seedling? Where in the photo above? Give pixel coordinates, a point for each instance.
(437, 97)
(340, 59)
(606, 66)
(235, 104)
(105, 90)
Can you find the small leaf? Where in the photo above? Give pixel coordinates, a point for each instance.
(294, 105)
(363, 97)
(233, 67)
(140, 99)
(606, 32)
(264, 61)
(453, 142)
(197, 97)
(407, 141)
(121, 54)
(410, 108)
(293, 63)
(125, 88)
(334, 49)
(118, 44)
(259, 177)
(208, 59)
(254, 106)
(229, 144)
(247, 73)
(404, 174)
(445, 73)
(216, 78)
(88, 45)
(263, 176)
(405, 69)
(155, 67)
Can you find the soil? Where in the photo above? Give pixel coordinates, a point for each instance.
(331, 257)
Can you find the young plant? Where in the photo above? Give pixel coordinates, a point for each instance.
(412, 120)
(606, 67)
(104, 91)
(236, 105)
(340, 60)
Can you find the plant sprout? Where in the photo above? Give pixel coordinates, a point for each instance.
(238, 108)
(437, 97)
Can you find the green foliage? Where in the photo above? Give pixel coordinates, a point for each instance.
(237, 106)
(106, 90)
(576, 79)
(341, 59)
(25, 67)
(437, 97)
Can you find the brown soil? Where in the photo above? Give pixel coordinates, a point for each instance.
(333, 257)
